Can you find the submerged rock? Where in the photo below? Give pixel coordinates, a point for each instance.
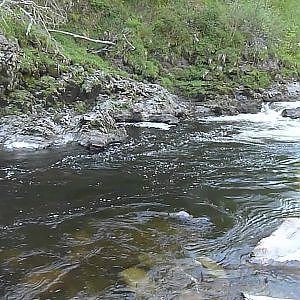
(281, 247)
(293, 113)
(214, 269)
(176, 278)
(134, 276)
(164, 280)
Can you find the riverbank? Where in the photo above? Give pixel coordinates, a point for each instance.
(124, 62)
(85, 107)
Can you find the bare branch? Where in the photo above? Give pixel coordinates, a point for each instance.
(82, 37)
(129, 43)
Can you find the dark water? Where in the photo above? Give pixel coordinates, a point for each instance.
(80, 226)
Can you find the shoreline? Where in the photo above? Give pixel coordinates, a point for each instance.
(92, 121)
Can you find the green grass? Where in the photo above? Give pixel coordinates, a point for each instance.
(192, 47)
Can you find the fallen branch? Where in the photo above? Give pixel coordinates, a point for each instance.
(130, 44)
(82, 37)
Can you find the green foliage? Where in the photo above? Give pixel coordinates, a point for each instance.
(255, 79)
(194, 47)
(80, 55)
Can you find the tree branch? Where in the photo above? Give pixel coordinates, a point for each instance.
(130, 44)
(82, 37)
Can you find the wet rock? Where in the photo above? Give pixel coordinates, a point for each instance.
(114, 99)
(27, 132)
(203, 111)
(293, 113)
(131, 101)
(97, 130)
(282, 91)
(293, 90)
(247, 100)
(161, 126)
(166, 118)
(23, 142)
(93, 130)
(282, 247)
(182, 215)
(226, 105)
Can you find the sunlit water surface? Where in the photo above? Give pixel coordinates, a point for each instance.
(104, 226)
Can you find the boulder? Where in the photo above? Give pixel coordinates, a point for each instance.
(293, 113)
(203, 111)
(164, 118)
(282, 92)
(97, 130)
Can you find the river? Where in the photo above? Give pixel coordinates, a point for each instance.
(169, 214)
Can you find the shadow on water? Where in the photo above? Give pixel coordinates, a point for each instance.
(108, 226)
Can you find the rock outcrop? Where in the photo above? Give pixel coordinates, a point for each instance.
(108, 100)
(285, 91)
(9, 53)
(127, 100)
(93, 130)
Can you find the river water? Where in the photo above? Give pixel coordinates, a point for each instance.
(170, 214)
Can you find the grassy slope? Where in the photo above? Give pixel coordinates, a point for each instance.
(192, 47)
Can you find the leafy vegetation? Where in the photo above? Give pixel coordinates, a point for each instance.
(193, 47)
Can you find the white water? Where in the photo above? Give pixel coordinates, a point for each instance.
(157, 125)
(251, 297)
(282, 246)
(265, 125)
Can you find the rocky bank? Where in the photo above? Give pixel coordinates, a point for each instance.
(86, 106)
(91, 120)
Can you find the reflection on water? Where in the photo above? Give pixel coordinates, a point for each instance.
(106, 226)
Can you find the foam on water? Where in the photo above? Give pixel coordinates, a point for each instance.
(282, 246)
(268, 124)
(252, 297)
(14, 145)
(162, 126)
